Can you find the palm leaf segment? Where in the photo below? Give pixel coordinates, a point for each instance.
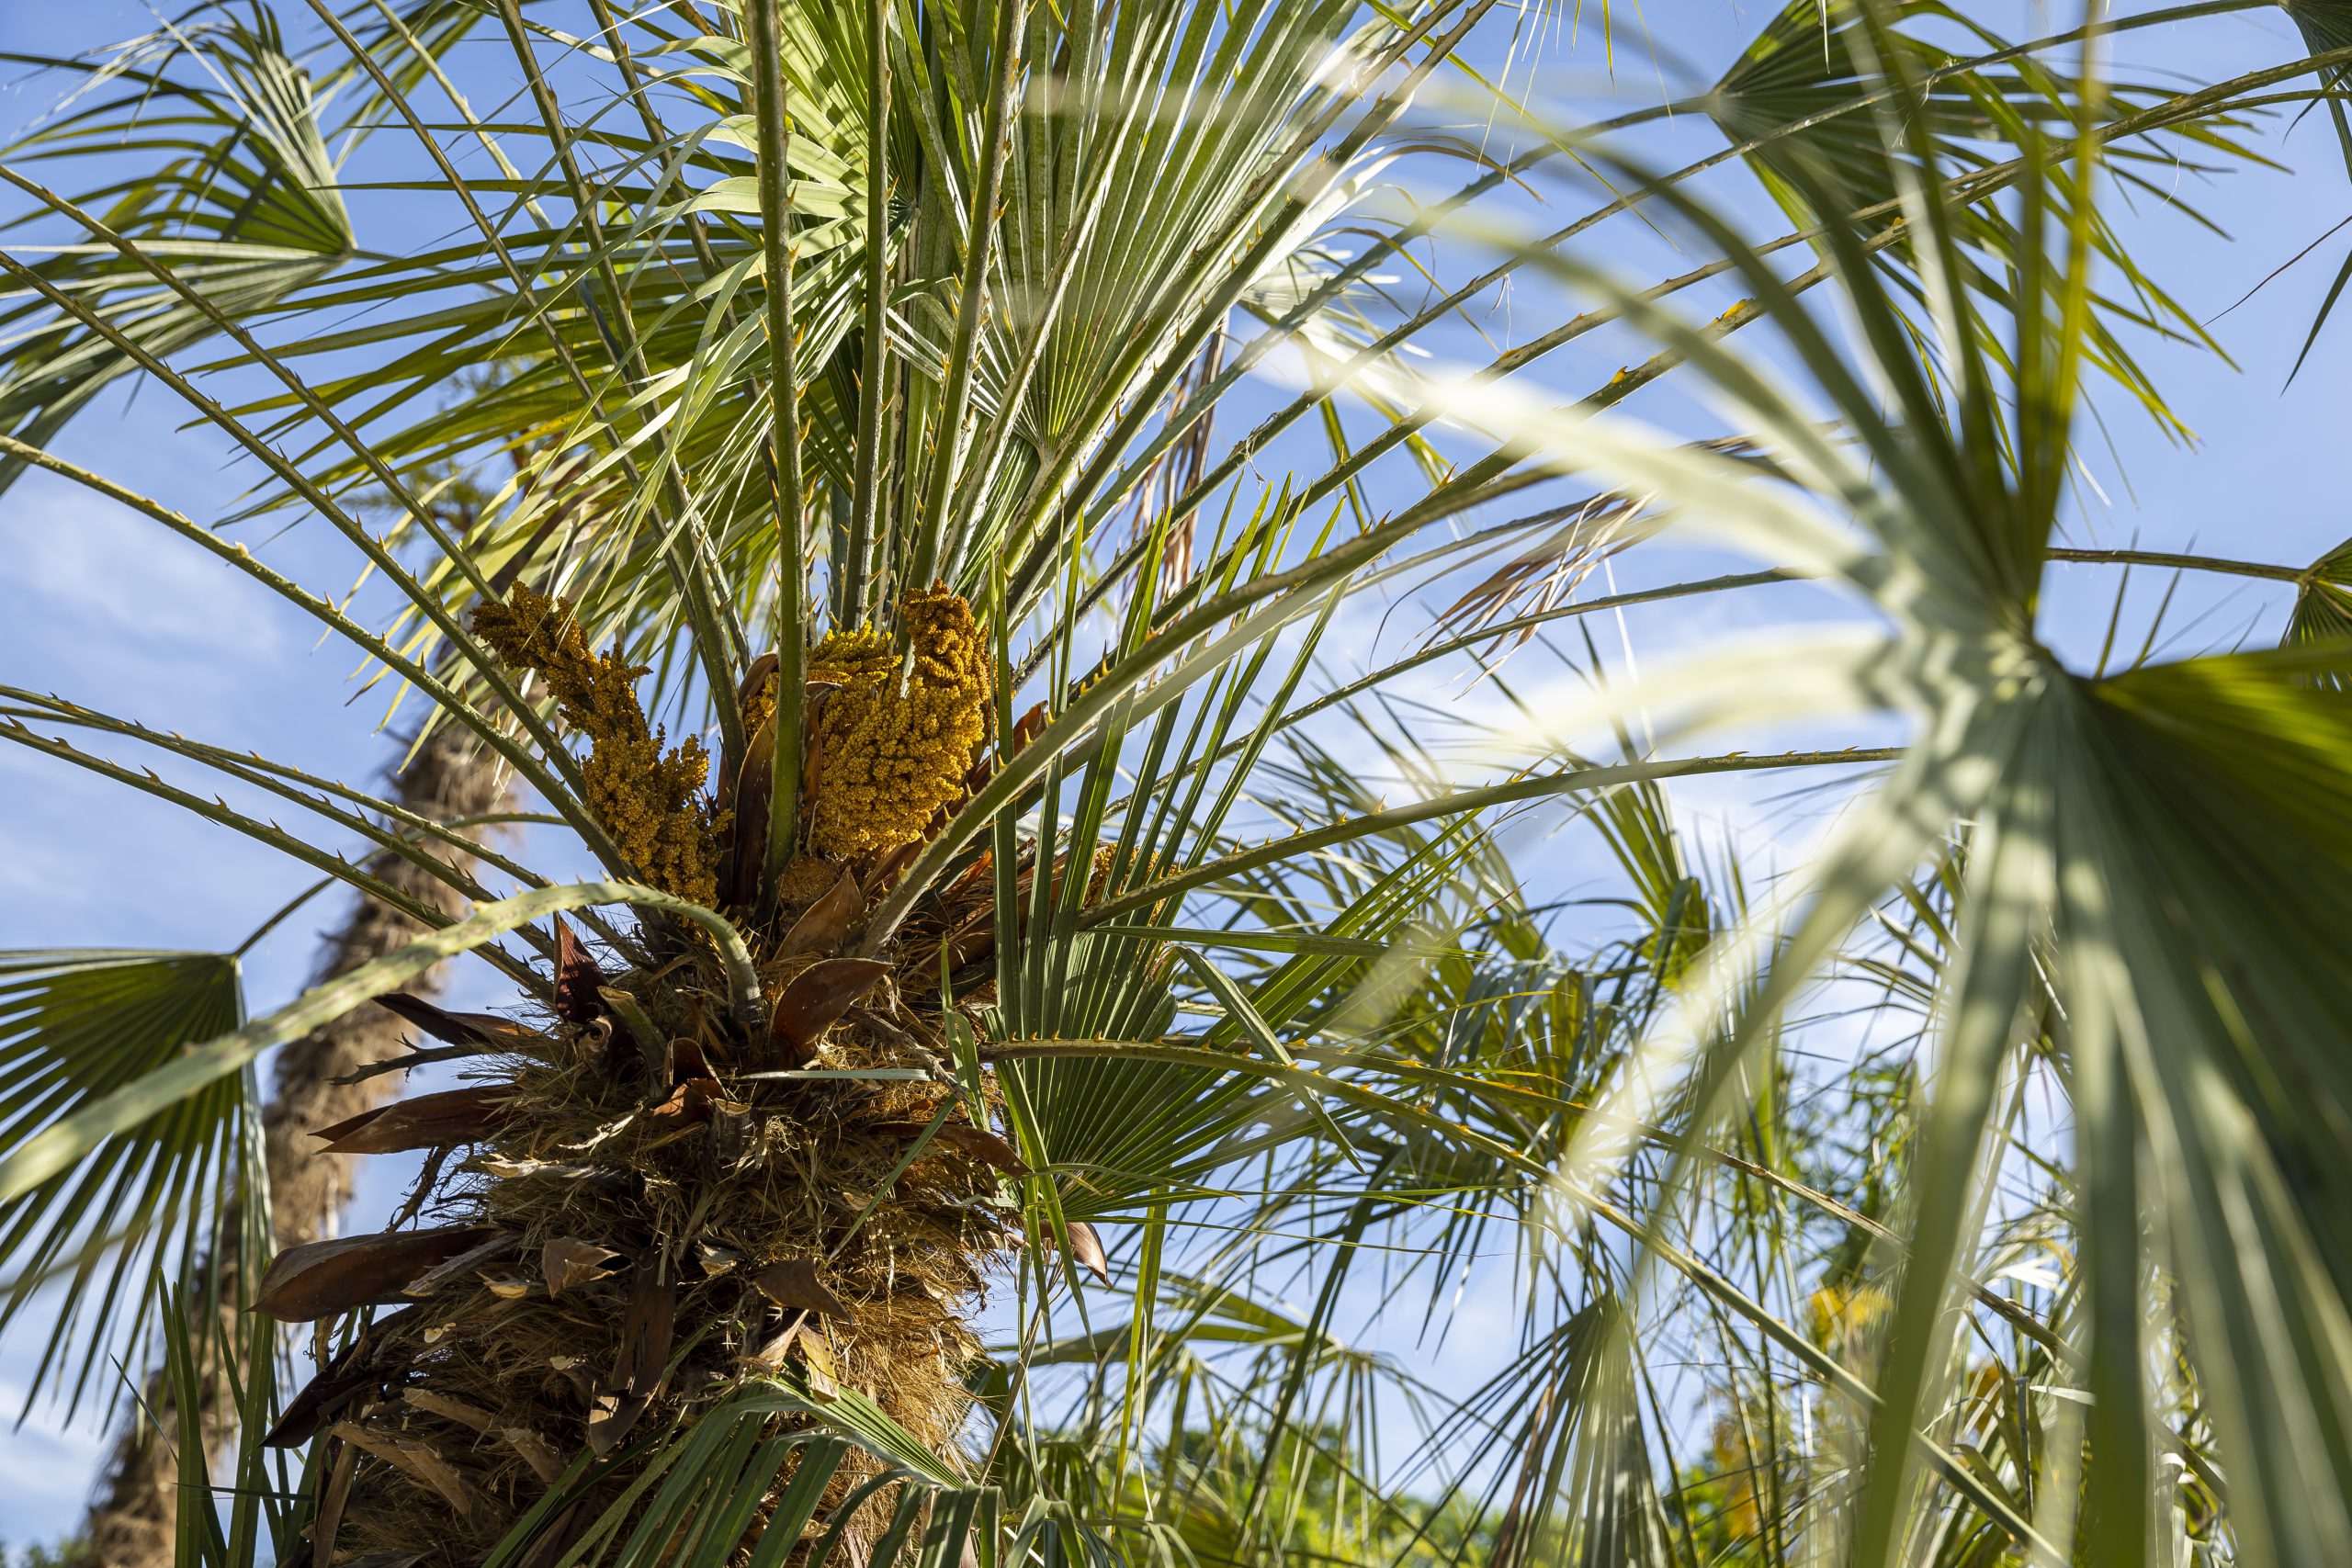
(774, 1004)
(1789, 103)
(83, 1025)
(2323, 610)
(241, 202)
(1146, 179)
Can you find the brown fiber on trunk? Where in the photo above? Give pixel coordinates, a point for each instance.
(641, 1231)
(668, 1204)
(132, 1520)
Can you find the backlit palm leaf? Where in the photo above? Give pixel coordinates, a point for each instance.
(2096, 806)
(1787, 99)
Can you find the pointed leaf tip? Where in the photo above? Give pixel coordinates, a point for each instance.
(569, 1262)
(792, 1283)
(823, 925)
(1086, 1246)
(486, 1031)
(579, 980)
(322, 1278)
(817, 999)
(420, 1121)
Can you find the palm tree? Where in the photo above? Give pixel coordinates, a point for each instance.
(316, 1081)
(290, 230)
(837, 386)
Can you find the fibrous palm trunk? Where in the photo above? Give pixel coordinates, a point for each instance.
(450, 779)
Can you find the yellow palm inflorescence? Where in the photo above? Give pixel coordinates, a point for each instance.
(650, 800)
(890, 760)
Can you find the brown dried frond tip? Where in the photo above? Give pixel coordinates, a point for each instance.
(890, 761)
(649, 800)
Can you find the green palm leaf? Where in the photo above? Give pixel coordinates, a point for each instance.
(76, 1027)
(239, 194)
(2323, 612)
(2030, 753)
(1790, 100)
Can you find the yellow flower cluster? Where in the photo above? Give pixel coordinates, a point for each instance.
(760, 706)
(652, 802)
(1841, 1315)
(889, 761)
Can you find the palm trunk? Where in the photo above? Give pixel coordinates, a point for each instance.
(131, 1521)
(658, 1207)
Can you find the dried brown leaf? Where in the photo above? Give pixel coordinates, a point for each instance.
(817, 1357)
(748, 696)
(435, 1278)
(803, 1341)
(322, 1278)
(814, 1001)
(753, 782)
(569, 1262)
(687, 1059)
(456, 1410)
(691, 1101)
(578, 978)
(350, 1374)
(420, 1461)
(1027, 728)
(973, 1143)
(643, 1358)
(983, 1145)
(333, 1494)
(485, 1030)
(573, 1374)
(311, 1408)
(421, 1122)
(792, 1283)
(1086, 1247)
(815, 1347)
(769, 1357)
(610, 1416)
(823, 925)
(545, 1462)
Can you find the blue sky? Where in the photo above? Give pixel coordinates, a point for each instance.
(106, 610)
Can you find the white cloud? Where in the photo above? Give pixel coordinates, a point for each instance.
(48, 1469)
(123, 594)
